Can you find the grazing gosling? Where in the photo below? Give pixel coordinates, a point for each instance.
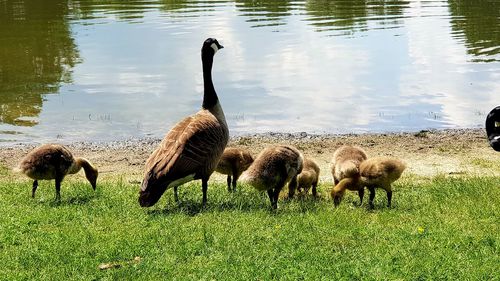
(274, 167)
(374, 172)
(54, 161)
(308, 177)
(339, 189)
(345, 164)
(381, 172)
(234, 162)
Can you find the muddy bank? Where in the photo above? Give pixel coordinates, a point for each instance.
(427, 153)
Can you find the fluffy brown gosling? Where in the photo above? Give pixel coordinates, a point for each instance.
(377, 172)
(233, 163)
(345, 164)
(274, 167)
(54, 161)
(308, 177)
(381, 172)
(339, 189)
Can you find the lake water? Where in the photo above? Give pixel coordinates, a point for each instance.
(107, 70)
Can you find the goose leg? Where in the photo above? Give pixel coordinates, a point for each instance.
(361, 193)
(58, 189)
(204, 187)
(229, 183)
(176, 195)
(372, 196)
(35, 185)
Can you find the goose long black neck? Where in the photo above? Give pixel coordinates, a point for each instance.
(210, 98)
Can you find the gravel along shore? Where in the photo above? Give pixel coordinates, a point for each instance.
(427, 153)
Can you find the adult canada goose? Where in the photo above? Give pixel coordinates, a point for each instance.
(493, 128)
(308, 177)
(193, 147)
(54, 161)
(233, 162)
(274, 167)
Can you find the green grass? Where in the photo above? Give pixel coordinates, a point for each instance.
(444, 228)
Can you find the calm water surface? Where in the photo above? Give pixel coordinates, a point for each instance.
(105, 70)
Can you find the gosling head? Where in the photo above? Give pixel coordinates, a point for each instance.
(338, 191)
(210, 47)
(91, 175)
(337, 196)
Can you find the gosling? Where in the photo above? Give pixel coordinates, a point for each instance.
(233, 163)
(308, 177)
(274, 167)
(381, 172)
(374, 172)
(54, 161)
(345, 164)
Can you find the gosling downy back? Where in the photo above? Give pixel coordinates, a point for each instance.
(309, 175)
(381, 170)
(273, 165)
(54, 161)
(345, 162)
(234, 158)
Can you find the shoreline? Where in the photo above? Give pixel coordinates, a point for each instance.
(427, 153)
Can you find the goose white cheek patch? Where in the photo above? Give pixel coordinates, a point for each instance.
(214, 46)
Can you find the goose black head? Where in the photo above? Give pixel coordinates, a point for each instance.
(210, 47)
(493, 128)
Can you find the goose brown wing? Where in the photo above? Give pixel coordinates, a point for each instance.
(187, 149)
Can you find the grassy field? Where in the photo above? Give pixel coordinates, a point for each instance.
(439, 228)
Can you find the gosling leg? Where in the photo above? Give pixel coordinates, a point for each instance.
(361, 193)
(389, 198)
(314, 191)
(270, 193)
(176, 195)
(229, 183)
(235, 179)
(292, 186)
(35, 185)
(372, 196)
(234, 170)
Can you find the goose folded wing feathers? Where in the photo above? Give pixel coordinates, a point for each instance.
(183, 150)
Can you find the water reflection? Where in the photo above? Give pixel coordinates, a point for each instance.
(265, 12)
(349, 16)
(37, 53)
(315, 65)
(477, 24)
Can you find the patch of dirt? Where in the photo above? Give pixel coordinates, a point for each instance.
(427, 153)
